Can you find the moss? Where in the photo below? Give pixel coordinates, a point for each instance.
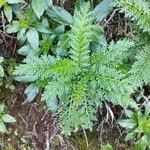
(93, 141)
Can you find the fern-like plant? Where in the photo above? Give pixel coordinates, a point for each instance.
(77, 84)
(139, 12)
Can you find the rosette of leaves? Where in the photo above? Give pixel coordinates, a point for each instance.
(137, 125)
(6, 6)
(77, 83)
(28, 27)
(5, 118)
(46, 44)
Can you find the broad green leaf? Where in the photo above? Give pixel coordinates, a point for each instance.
(43, 26)
(8, 119)
(2, 127)
(2, 106)
(1, 59)
(41, 29)
(1, 71)
(127, 123)
(8, 12)
(25, 50)
(140, 145)
(130, 136)
(102, 10)
(33, 38)
(45, 23)
(129, 113)
(12, 27)
(39, 7)
(31, 91)
(15, 1)
(59, 15)
(21, 36)
(58, 30)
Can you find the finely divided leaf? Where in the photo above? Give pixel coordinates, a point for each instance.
(31, 91)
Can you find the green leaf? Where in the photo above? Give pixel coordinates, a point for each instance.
(1, 59)
(24, 50)
(59, 30)
(127, 123)
(15, 1)
(63, 45)
(43, 26)
(8, 119)
(49, 2)
(12, 27)
(1, 71)
(2, 3)
(8, 12)
(2, 106)
(21, 36)
(140, 145)
(102, 10)
(2, 127)
(33, 38)
(147, 109)
(79, 4)
(129, 113)
(39, 7)
(130, 136)
(42, 30)
(59, 15)
(107, 147)
(31, 91)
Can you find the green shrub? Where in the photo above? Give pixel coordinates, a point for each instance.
(139, 12)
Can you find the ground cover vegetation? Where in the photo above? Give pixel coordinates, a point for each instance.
(72, 67)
